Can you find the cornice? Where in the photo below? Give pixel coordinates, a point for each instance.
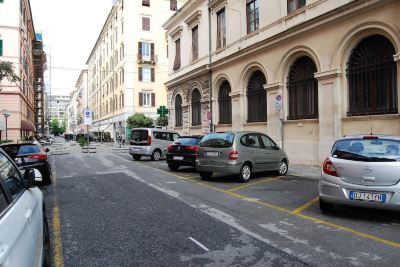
(187, 76)
(236, 94)
(176, 33)
(329, 74)
(193, 19)
(273, 86)
(397, 57)
(215, 5)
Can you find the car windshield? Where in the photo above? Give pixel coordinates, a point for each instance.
(218, 140)
(373, 150)
(187, 141)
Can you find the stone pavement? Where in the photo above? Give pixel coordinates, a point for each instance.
(309, 171)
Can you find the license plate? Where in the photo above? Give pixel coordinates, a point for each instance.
(136, 149)
(212, 154)
(374, 197)
(177, 158)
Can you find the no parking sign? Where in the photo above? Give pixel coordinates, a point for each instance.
(87, 116)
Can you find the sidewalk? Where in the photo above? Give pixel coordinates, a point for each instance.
(308, 171)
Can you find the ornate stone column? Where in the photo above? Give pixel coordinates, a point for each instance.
(274, 113)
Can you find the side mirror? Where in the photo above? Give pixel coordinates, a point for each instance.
(29, 178)
(47, 150)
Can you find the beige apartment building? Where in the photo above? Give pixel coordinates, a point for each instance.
(128, 65)
(305, 72)
(18, 45)
(78, 102)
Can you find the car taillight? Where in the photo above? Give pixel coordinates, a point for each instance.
(193, 148)
(169, 148)
(233, 155)
(328, 168)
(148, 140)
(41, 156)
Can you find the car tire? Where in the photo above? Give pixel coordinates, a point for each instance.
(156, 156)
(136, 157)
(173, 167)
(283, 168)
(205, 175)
(46, 242)
(245, 173)
(326, 207)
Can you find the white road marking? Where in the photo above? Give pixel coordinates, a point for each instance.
(199, 244)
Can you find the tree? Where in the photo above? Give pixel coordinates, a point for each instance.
(139, 120)
(162, 121)
(55, 127)
(7, 72)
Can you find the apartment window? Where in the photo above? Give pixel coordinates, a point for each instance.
(173, 5)
(195, 43)
(252, 9)
(177, 62)
(303, 90)
(147, 99)
(145, 24)
(145, 2)
(1, 47)
(256, 98)
(293, 5)
(225, 103)
(221, 29)
(372, 77)
(196, 107)
(146, 51)
(146, 74)
(178, 111)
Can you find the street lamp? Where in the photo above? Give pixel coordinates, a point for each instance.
(6, 114)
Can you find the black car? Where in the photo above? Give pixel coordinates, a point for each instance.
(183, 152)
(31, 153)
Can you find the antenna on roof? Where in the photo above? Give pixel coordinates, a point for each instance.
(370, 123)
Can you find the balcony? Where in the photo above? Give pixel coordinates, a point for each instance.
(149, 59)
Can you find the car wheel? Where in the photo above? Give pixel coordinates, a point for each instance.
(325, 206)
(205, 175)
(173, 167)
(245, 173)
(156, 156)
(136, 157)
(283, 168)
(46, 242)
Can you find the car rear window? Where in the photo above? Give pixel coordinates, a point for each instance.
(30, 149)
(188, 141)
(359, 149)
(217, 140)
(139, 135)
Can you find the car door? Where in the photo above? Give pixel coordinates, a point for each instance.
(272, 154)
(21, 222)
(254, 149)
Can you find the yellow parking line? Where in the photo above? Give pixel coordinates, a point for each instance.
(255, 183)
(58, 254)
(305, 206)
(297, 214)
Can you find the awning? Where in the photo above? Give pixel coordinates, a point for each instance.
(100, 128)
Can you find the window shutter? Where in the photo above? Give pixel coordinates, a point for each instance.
(145, 24)
(153, 99)
(152, 52)
(140, 99)
(140, 74)
(1, 47)
(152, 75)
(140, 51)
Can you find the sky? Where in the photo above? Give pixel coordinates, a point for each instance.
(70, 30)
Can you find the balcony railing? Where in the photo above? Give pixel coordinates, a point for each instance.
(147, 58)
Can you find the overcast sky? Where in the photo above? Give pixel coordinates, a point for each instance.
(71, 29)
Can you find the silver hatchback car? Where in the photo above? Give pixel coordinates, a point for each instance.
(239, 153)
(362, 170)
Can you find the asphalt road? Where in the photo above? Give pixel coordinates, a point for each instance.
(108, 210)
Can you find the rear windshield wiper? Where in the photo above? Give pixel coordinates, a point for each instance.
(349, 155)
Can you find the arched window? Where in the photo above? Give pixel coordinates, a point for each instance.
(372, 77)
(256, 98)
(303, 89)
(196, 107)
(225, 103)
(178, 111)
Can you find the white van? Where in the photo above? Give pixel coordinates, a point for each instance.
(151, 142)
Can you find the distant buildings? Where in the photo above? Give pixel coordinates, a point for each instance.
(78, 102)
(58, 107)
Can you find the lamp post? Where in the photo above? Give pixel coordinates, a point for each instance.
(6, 114)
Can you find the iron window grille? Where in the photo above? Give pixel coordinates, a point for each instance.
(225, 103)
(253, 16)
(178, 111)
(372, 78)
(303, 90)
(256, 98)
(196, 108)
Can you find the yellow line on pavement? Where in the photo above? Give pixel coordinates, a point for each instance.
(58, 254)
(255, 183)
(305, 206)
(297, 214)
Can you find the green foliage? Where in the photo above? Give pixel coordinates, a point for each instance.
(56, 127)
(7, 72)
(82, 141)
(5, 141)
(139, 120)
(162, 121)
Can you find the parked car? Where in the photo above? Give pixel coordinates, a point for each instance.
(24, 232)
(151, 142)
(362, 170)
(183, 152)
(28, 154)
(241, 153)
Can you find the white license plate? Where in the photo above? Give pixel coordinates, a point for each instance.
(212, 154)
(374, 197)
(177, 158)
(136, 149)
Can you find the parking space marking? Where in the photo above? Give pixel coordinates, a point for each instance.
(254, 183)
(306, 205)
(297, 214)
(199, 244)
